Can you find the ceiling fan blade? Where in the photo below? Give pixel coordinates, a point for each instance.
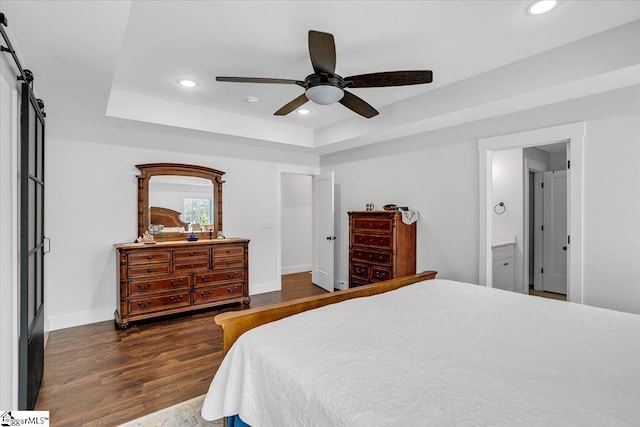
(390, 78)
(358, 105)
(257, 80)
(286, 109)
(322, 51)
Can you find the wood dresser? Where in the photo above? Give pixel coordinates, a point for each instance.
(381, 247)
(172, 277)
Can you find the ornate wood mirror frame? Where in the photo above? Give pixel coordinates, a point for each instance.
(149, 170)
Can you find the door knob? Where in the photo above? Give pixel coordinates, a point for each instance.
(331, 237)
(564, 248)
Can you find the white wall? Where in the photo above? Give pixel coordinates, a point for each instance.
(92, 202)
(296, 223)
(9, 289)
(612, 213)
(507, 187)
(436, 174)
(436, 178)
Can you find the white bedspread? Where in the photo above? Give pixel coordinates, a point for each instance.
(436, 353)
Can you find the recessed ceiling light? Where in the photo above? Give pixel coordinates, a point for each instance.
(187, 83)
(303, 111)
(542, 6)
(253, 99)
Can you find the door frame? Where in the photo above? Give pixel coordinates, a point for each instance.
(280, 170)
(574, 134)
(530, 165)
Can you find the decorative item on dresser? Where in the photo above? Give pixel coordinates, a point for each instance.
(381, 247)
(176, 276)
(179, 267)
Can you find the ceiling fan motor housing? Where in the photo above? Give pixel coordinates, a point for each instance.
(324, 89)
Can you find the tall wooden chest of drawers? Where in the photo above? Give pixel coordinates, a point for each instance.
(381, 247)
(176, 276)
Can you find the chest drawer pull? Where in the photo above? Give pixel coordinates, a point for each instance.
(228, 251)
(380, 275)
(144, 287)
(206, 294)
(142, 304)
(360, 270)
(235, 288)
(149, 257)
(176, 282)
(191, 253)
(176, 299)
(232, 275)
(149, 270)
(206, 278)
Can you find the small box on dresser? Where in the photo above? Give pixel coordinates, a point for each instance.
(177, 276)
(381, 247)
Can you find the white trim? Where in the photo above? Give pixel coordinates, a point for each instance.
(296, 269)
(530, 165)
(573, 133)
(280, 169)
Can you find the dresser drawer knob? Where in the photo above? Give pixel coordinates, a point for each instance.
(149, 270)
(360, 270)
(206, 294)
(232, 275)
(149, 257)
(381, 225)
(191, 253)
(370, 256)
(228, 251)
(206, 278)
(228, 262)
(176, 299)
(176, 282)
(380, 258)
(381, 241)
(191, 266)
(142, 304)
(380, 275)
(232, 290)
(143, 286)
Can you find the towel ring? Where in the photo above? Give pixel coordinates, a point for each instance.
(498, 206)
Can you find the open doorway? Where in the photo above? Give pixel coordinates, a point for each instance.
(573, 134)
(296, 230)
(546, 220)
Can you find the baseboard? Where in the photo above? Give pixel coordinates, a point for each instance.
(296, 269)
(80, 318)
(261, 288)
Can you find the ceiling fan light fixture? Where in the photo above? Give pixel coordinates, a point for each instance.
(303, 111)
(324, 94)
(540, 7)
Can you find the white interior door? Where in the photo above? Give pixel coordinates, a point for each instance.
(554, 233)
(323, 231)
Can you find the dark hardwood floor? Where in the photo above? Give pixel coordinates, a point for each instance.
(96, 375)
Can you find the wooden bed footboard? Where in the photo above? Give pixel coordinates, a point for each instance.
(235, 323)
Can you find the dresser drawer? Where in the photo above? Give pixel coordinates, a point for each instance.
(204, 295)
(355, 282)
(189, 254)
(227, 251)
(221, 263)
(207, 279)
(192, 266)
(145, 257)
(368, 224)
(360, 271)
(379, 274)
(362, 255)
(158, 285)
(158, 303)
(381, 241)
(148, 269)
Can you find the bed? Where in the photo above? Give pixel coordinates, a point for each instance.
(434, 352)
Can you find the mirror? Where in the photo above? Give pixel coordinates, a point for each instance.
(176, 199)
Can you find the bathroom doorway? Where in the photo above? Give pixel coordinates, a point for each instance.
(573, 136)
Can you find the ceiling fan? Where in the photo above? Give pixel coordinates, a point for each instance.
(326, 87)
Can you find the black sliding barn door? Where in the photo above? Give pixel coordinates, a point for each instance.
(31, 205)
